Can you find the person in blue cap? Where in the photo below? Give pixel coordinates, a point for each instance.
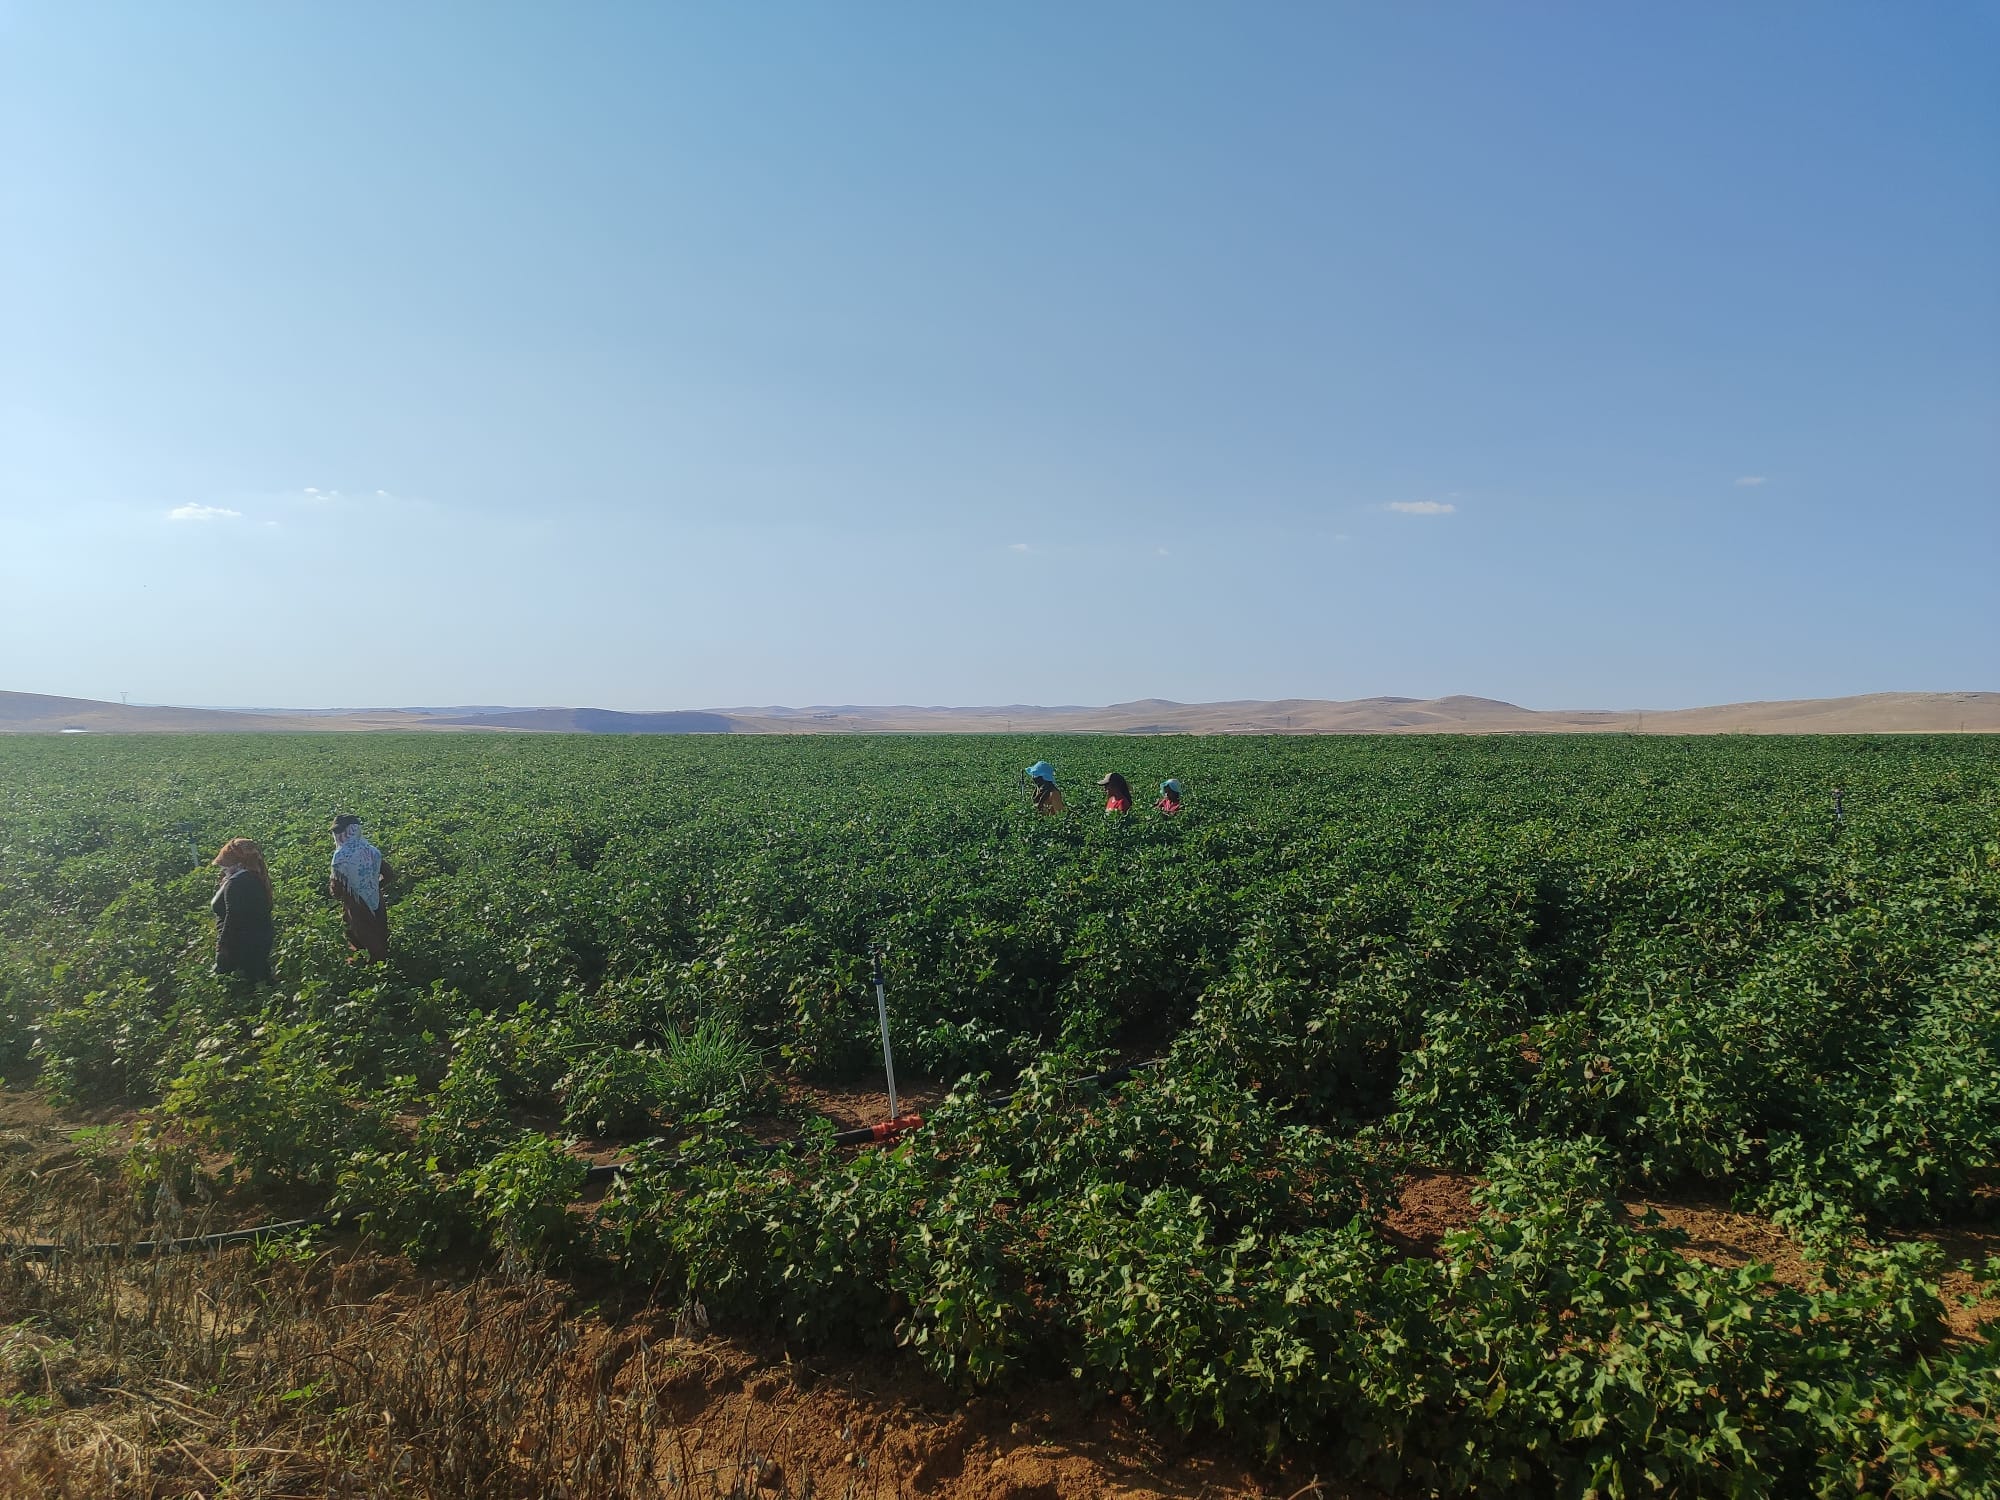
(1170, 797)
(1048, 796)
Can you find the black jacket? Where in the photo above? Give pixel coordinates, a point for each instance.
(244, 931)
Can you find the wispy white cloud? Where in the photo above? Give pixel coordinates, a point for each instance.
(1159, 552)
(312, 494)
(1019, 547)
(1750, 480)
(1422, 507)
(203, 513)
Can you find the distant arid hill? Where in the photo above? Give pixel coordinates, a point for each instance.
(590, 721)
(36, 713)
(1874, 713)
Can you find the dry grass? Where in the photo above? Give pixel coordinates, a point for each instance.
(334, 1373)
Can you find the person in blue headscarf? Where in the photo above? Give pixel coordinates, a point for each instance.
(356, 883)
(1170, 797)
(1042, 779)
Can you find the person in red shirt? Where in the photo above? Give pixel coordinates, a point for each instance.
(1170, 797)
(1117, 793)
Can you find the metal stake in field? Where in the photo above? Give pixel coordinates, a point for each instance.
(882, 1014)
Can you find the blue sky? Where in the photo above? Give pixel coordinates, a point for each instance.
(648, 356)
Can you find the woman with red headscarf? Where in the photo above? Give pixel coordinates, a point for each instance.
(244, 931)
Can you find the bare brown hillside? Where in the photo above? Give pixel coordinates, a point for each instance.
(1873, 713)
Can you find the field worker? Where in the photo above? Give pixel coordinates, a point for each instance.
(1048, 796)
(356, 883)
(1170, 797)
(244, 930)
(1117, 793)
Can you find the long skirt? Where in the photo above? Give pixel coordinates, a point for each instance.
(366, 930)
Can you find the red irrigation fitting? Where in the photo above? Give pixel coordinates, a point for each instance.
(868, 1135)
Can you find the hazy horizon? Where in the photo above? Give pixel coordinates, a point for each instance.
(830, 706)
(646, 359)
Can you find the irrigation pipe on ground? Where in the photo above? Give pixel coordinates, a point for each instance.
(865, 1135)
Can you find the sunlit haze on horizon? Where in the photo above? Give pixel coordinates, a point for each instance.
(658, 357)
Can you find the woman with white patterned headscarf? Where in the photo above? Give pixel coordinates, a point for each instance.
(356, 883)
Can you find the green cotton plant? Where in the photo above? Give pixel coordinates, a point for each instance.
(1144, 965)
(824, 1030)
(1885, 1433)
(617, 1091)
(962, 1268)
(1319, 1003)
(390, 1029)
(951, 1049)
(1908, 1142)
(952, 1224)
(1462, 1084)
(500, 1068)
(642, 1006)
(1598, 1358)
(1318, 1335)
(708, 1229)
(470, 1114)
(408, 1201)
(106, 1045)
(272, 1097)
(524, 1193)
(1911, 1144)
(1679, 1082)
(1159, 1303)
(836, 1286)
(20, 1009)
(1666, 1373)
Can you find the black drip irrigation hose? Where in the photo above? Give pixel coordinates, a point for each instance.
(868, 1135)
(595, 1176)
(139, 1249)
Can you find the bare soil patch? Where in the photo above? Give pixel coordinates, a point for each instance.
(880, 1422)
(351, 1375)
(850, 1109)
(1431, 1205)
